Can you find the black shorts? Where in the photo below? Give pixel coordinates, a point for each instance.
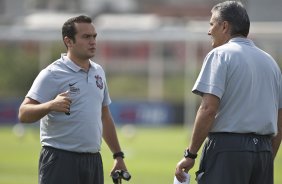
(230, 158)
(65, 167)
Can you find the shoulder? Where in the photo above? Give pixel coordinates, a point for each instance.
(48, 73)
(216, 54)
(96, 65)
(98, 68)
(224, 53)
(58, 68)
(56, 65)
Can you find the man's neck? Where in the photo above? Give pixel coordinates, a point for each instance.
(83, 63)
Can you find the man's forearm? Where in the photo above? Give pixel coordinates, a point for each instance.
(109, 130)
(201, 129)
(30, 113)
(203, 121)
(110, 137)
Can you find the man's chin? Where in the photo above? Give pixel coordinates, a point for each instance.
(214, 45)
(91, 55)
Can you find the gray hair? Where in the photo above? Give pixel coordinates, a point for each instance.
(235, 14)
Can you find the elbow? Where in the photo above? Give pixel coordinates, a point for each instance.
(27, 111)
(208, 111)
(23, 118)
(209, 106)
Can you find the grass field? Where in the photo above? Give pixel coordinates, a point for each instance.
(151, 155)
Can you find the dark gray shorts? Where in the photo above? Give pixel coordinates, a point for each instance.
(65, 167)
(230, 158)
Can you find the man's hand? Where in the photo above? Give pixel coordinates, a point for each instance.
(61, 103)
(118, 165)
(183, 165)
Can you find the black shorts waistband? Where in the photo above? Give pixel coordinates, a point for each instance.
(226, 141)
(71, 152)
(211, 134)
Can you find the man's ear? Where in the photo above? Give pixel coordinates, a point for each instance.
(67, 41)
(225, 27)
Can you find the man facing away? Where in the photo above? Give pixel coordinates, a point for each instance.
(71, 98)
(241, 109)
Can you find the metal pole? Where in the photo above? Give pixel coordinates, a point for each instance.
(155, 72)
(190, 103)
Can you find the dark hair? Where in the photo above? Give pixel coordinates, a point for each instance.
(235, 13)
(69, 29)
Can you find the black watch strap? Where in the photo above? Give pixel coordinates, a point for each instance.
(188, 154)
(118, 154)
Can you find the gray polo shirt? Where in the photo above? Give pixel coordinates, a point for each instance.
(249, 84)
(81, 131)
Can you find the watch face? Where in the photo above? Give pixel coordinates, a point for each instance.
(186, 154)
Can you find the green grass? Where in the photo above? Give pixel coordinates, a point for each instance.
(151, 155)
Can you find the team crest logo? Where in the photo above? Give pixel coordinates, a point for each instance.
(99, 81)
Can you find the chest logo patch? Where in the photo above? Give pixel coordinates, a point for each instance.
(73, 90)
(99, 81)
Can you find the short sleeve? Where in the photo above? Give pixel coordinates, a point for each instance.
(280, 93)
(212, 76)
(107, 99)
(44, 87)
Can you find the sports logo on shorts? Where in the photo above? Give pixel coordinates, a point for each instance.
(255, 140)
(99, 81)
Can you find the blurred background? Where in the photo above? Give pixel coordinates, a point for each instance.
(151, 50)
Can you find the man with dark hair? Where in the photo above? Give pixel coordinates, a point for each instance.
(71, 98)
(241, 109)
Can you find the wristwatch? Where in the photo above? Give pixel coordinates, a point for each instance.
(188, 154)
(118, 154)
